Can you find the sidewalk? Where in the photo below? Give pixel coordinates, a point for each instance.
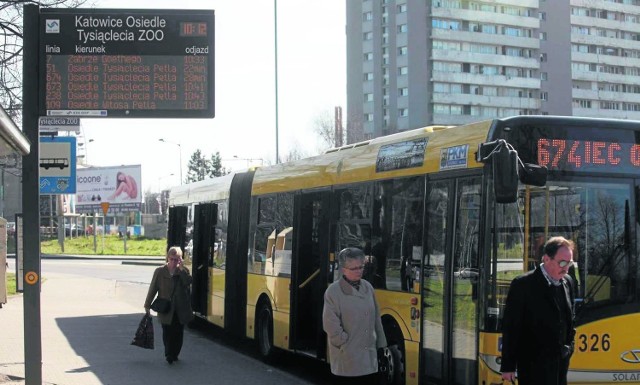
(87, 325)
(78, 315)
(126, 259)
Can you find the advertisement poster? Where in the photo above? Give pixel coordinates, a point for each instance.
(119, 186)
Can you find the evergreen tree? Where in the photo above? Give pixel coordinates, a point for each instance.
(198, 167)
(215, 164)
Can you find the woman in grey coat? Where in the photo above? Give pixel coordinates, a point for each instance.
(351, 319)
(172, 281)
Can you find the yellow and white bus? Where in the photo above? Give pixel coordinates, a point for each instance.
(447, 217)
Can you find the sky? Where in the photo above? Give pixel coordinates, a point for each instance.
(311, 82)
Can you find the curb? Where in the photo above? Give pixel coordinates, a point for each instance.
(149, 259)
(5, 379)
(99, 257)
(143, 263)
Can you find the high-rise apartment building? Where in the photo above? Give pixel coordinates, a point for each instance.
(413, 63)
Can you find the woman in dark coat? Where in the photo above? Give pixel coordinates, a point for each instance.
(172, 281)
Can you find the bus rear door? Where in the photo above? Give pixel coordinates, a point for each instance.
(309, 272)
(203, 247)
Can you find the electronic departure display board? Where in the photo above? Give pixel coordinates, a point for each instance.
(127, 63)
(588, 155)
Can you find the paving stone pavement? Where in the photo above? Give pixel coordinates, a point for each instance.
(87, 328)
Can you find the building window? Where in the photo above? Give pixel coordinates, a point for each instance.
(404, 91)
(543, 36)
(582, 103)
(489, 91)
(403, 112)
(402, 8)
(368, 97)
(442, 109)
(511, 31)
(368, 76)
(456, 110)
(544, 96)
(367, 35)
(402, 28)
(368, 117)
(403, 70)
(543, 76)
(489, 28)
(368, 56)
(402, 50)
(543, 57)
(609, 105)
(542, 15)
(367, 16)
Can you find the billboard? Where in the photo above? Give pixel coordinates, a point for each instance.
(127, 63)
(119, 186)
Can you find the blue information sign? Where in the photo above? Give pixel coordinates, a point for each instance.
(58, 165)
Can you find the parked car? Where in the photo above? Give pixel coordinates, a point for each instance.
(73, 229)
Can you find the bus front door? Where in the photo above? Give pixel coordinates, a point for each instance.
(450, 279)
(203, 246)
(309, 270)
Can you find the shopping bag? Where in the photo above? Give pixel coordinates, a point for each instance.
(144, 334)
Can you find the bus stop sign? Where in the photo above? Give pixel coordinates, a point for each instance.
(57, 165)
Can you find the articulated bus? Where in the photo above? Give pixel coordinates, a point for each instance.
(447, 217)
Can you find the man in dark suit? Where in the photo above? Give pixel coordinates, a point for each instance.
(537, 327)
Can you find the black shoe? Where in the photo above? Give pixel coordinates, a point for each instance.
(170, 360)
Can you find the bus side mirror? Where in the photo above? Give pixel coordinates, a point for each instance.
(505, 175)
(532, 174)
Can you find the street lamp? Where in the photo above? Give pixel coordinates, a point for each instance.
(163, 177)
(180, 150)
(83, 147)
(249, 160)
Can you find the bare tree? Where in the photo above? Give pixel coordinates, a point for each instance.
(323, 126)
(295, 153)
(11, 16)
(355, 131)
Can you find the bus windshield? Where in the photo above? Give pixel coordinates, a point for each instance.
(596, 215)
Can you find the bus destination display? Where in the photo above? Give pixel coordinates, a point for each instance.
(127, 63)
(585, 155)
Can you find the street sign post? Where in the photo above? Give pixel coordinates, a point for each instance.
(103, 63)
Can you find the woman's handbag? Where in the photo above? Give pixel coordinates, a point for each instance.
(161, 305)
(144, 334)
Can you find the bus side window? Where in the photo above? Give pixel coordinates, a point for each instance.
(398, 210)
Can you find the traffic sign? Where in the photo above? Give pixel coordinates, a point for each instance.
(105, 207)
(58, 165)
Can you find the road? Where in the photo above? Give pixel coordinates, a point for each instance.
(205, 345)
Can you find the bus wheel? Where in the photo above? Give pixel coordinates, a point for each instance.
(393, 362)
(264, 331)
